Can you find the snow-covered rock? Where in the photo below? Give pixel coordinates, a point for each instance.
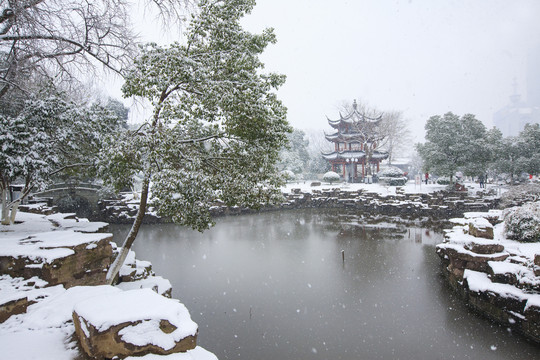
(133, 323)
(497, 276)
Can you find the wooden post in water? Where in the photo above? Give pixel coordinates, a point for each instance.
(343, 256)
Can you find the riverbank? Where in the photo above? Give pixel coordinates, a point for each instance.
(429, 203)
(497, 277)
(46, 265)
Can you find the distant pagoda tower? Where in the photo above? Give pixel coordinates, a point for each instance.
(356, 140)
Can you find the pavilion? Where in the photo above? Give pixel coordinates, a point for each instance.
(356, 139)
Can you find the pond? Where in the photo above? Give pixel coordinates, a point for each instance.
(320, 285)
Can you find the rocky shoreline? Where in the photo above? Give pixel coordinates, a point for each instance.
(440, 205)
(51, 271)
(497, 277)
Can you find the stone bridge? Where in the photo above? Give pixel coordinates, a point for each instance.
(80, 198)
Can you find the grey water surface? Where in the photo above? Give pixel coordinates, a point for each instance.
(275, 286)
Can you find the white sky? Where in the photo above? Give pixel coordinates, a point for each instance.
(422, 57)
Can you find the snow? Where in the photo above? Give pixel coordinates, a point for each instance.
(113, 309)
(46, 330)
(47, 246)
(157, 283)
(480, 282)
(196, 354)
(381, 189)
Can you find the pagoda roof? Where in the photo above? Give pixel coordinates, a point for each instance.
(339, 136)
(352, 118)
(354, 154)
(346, 154)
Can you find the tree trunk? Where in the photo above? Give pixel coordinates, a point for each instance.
(130, 238)
(14, 208)
(5, 209)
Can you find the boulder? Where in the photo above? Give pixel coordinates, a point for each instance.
(68, 257)
(13, 307)
(482, 248)
(480, 227)
(133, 323)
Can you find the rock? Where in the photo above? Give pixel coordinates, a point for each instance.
(133, 323)
(13, 307)
(156, 283)
(531, 325)
(480, 248)
(60, 257)
(480, 227)
(460, 259)
(537, 264)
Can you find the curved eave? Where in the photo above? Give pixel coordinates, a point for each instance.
(379, 155)
(349, 138)
(352, 118)
(344, 155)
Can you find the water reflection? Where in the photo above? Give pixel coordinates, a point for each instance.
(275, 286)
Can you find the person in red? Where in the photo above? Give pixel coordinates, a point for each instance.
(427, 177)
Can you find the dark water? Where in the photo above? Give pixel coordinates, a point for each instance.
(274, 286)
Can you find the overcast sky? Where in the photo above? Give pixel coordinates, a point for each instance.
(423, 57)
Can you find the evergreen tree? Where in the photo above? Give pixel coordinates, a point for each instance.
(295, 156)
(48, 136)
(217, 126)
(454, 143)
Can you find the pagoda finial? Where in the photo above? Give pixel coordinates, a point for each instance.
(354, 105)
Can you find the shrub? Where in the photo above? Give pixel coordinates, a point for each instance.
(443, 180)
(392, 176)
(288, 175)
(522, 223)
(331, 177)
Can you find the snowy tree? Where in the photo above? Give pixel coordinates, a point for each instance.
(49, 136)
(398, 135)
(331, 176)
(217, 126)
(530, 139)
(452, 144)
(518, 154)
(60, 40)
(294, 156)
(317, 144)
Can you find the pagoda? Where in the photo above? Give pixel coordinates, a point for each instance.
(356, 139)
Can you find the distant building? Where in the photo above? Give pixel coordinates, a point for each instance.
(512, 118)
(355, 139)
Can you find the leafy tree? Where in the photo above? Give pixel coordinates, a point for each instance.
(217, 126)
(530, 139)
(119, 109)
(452, 144)
(295, 156)
(48, 136)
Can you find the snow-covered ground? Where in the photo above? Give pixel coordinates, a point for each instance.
(46, 330)
(409, 188)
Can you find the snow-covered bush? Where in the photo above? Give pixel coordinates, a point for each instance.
(392, 176)
(443, 180)
(522, 223)
(331, 176)
(287, 175)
